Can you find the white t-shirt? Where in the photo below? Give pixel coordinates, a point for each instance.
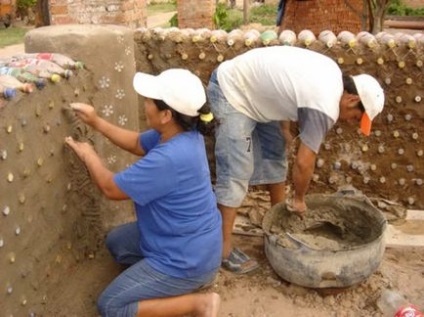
(285, 83)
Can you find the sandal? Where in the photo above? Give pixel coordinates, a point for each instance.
(238, 262)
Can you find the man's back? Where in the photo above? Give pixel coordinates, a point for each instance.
(271, 83)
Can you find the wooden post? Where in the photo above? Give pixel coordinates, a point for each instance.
(245, 11)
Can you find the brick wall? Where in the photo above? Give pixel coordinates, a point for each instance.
(335, 15)
(196, 14)
(131, 13)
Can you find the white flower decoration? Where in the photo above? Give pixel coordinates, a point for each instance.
(127, 51)
(104, 82)
(111, 159)
(122, 120)
(119, 66)
(120, 39)
(120, 94)
(107, 110)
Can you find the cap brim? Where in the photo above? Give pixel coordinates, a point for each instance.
(147, 85)
(365, 124)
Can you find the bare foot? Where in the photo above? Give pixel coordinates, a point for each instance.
(210, 307)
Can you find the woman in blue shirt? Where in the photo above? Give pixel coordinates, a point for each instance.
(175, 245)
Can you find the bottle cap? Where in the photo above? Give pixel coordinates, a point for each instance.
(68, 73)
(28, 88)
(9, 93)
(40, 83)
(79, 65)
(55, 78)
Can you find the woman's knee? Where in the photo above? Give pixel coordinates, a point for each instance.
(112, 241)
(101, 305)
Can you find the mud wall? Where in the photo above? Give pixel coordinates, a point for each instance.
(52, 216)
(388, 164)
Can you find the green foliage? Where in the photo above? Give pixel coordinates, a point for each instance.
(230, 19)
(220, 16)
(174, 20)
(160, 7)
(265, 14)
(11, 36)
(25, 4)
(397, 7)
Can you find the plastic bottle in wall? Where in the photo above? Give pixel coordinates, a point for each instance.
(394, 304)
(328, 38)
(12, 82)
(23, 76)
(287, 37)
(42, 68)
(306, 37)
(347, 38)
(7, 93)
(250, 37)
(59, 59)
(367, 39)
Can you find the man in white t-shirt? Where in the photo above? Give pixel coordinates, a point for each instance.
(252, 96)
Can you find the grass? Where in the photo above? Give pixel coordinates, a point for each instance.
(233, 19)
(12, 35)
(265, 14)
(156, 8)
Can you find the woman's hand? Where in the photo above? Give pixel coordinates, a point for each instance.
(85, 112)
(82, 149)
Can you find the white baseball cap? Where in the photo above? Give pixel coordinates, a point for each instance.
(178, 88)
(372, 97)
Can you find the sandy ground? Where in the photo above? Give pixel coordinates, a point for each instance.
(261, 293)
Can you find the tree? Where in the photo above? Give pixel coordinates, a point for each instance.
(377, 10)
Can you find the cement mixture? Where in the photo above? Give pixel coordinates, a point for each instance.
(332, 228)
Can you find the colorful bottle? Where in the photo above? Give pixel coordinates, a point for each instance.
(59, 59)
(6, 92)
(11, 82)
(42, 68)
(268, 36)
(394, 304)
(23, 76)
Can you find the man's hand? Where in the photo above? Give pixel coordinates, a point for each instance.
(85, 112)
(296, 206)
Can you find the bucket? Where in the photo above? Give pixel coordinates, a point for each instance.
(339, 243)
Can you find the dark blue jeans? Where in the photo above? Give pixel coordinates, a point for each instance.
(140, 281)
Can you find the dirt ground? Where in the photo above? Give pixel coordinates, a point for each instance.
(261, 293)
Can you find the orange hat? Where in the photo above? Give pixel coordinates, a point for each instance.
(372, 97)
